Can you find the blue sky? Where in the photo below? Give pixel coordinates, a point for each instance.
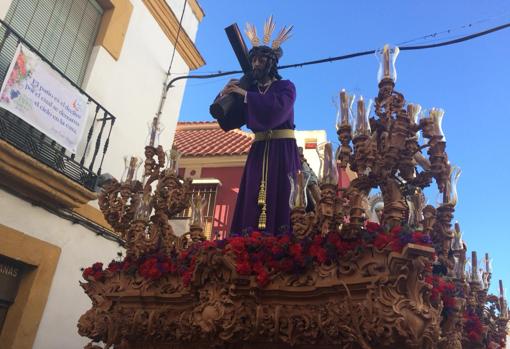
(469, 80)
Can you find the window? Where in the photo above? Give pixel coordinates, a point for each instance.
(310, 143)
(208, 192)
(11, 273)
(63, 31)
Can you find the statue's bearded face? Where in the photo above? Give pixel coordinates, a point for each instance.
(261, 66)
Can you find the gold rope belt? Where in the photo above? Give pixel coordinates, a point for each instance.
(267, 136)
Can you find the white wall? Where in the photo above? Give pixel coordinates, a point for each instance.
(4, 6)
(131, 87)
(80, 248)
(189, 21)
(311, 155)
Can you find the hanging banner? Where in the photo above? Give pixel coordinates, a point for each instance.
(36, 93)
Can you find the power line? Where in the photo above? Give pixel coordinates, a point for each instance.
(352, 55)
(451, 30)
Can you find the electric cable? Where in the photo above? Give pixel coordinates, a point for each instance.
(351, 55)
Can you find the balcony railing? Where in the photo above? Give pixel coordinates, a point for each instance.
(83, 167)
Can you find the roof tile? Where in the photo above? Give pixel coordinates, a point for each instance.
(206, 138)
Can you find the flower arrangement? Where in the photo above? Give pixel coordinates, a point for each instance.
(473, 327)
(260, 255)
(442, 290)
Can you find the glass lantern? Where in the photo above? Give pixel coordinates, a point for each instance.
(345, 116)
(197, 214)
(387, 57)
(328, 172)
(450, 195)
(362, 124)
(131, 166)
(144, 208)
(155, 128)
(298, 185)
(172, 160)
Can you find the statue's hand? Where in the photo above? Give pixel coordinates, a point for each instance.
(235, 89)
(228, 86)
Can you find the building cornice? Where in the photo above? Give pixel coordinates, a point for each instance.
(169, 23)
(197, 9)
(34, 180)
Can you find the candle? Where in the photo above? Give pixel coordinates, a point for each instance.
(474, 265)
(386, 62)
(344, 107)
(361, 126)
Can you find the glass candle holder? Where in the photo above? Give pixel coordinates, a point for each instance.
(457, 243)
(362, 124)
(298, 184)
(197, 214)
(436, 115)
(387, 57)
(328, 173)
(144, 208)
(345, 116)
(172, 159)
(413, 112)
(450, 195)
(131, 166)
(155, 128)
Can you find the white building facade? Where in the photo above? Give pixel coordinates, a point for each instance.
(117, 53)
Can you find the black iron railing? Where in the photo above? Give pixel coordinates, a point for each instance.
(83, 167)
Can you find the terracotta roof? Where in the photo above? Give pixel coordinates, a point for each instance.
(206, 138)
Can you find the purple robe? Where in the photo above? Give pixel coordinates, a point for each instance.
(270, 111)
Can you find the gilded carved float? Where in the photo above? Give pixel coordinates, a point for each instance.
(337, 281)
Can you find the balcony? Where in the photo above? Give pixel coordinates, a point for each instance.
(22, 142)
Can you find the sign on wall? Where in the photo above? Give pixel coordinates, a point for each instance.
(36, 93)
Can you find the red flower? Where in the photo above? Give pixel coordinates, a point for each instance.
(237, 244)
(333, 238)
(283, 240)
(382, 240)
(474, 336)
(373, 227)
(276, 250)
(262, 278)
(396, 246)
(295, 250)
(243, 268)
(98, 266)
(396, 230)
(186, 278)
(87, 272)
(115, 266)
(319, 253)
(166, 267)
(286, 265)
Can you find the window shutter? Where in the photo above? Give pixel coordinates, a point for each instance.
(63, 31)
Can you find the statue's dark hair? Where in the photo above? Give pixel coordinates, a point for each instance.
(272, 58)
